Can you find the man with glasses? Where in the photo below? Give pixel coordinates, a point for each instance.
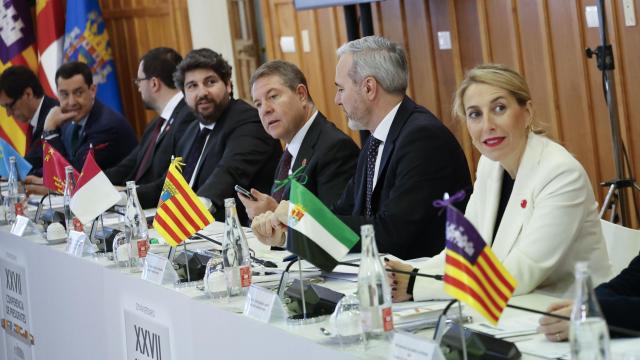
(23, 98)
(148, 163)
(82, 121)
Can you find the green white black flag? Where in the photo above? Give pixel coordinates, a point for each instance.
(318, 236)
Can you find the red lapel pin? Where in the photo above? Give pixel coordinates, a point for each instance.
(523, 203)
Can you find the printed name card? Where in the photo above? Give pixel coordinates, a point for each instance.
(20, 225)
(146, 338)
(75, 246)
(410, 347)
(263, 305)
(154, 267)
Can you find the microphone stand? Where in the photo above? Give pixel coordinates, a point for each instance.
(617, 186)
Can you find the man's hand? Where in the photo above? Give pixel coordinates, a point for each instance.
(553, 328)
(32, 189)
(268, 229)
(33, 180)
(262, 204)
(399, 282)
(56, 118)
(281, 214)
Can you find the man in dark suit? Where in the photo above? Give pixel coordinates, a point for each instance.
(22, 96)
(317, 153)
(410, 159)
(228, 146)
(81, 121)
(147, 164)
(619, 300)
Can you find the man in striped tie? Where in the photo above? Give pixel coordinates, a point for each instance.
(317, 153)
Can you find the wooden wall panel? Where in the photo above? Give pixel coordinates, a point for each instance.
(627, 54)
(326, 33)
(537, 62)
(573, 92)
(136, 26)
(424, 78)
(502, 33)
(543, 39)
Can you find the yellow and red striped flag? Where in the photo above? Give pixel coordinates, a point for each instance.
(17, 47)
(472, 272)
(180, 213)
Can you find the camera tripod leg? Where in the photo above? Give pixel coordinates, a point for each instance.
(609, 201)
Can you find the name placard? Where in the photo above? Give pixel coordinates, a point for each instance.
(263, 305)
(154, 268)
(76, 243)
(20, 225)
(406, 346)
(146, 339)
(15, 327)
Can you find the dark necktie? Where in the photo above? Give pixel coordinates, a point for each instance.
(148, 153)
(30, 135)
(194, 154)
(283, 172)
(75, 138)
(372, 156)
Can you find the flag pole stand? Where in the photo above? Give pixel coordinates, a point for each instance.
(304, 302)
(186, 260)
(93, 230)
(463, 340)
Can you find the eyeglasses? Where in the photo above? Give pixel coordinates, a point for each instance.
(137, 81)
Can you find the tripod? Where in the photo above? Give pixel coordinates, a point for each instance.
(616, 196)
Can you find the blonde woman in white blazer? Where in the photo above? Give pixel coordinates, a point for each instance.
(550, 219)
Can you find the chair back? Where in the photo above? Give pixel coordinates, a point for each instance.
(623, 244)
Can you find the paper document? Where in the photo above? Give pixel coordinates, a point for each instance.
(508, 327)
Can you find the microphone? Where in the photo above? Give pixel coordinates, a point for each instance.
(265, 263)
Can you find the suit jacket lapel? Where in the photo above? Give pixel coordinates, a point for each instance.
(406, 106)
(520, 203)
(309, 142)
(171, 121)
(360, 182)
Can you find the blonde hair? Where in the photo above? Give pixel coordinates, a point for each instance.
(501, 77)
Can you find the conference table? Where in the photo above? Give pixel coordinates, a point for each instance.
(84, 307)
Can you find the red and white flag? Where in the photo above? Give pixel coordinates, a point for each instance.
(94, 193)
(50, 41)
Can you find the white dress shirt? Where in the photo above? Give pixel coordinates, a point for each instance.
(381, 132)
(296, 142)
(197, 169)
(168, 110)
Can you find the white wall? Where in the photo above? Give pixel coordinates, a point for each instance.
(210, 28)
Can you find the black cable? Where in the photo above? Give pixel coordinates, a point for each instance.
(436, 277)
(286, 270)
(444, 313)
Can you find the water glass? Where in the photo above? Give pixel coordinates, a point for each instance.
(215, 284)
(346, 322)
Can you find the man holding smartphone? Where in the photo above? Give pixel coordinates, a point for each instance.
(317, 153)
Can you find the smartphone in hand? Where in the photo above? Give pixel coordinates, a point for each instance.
(244, 192)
